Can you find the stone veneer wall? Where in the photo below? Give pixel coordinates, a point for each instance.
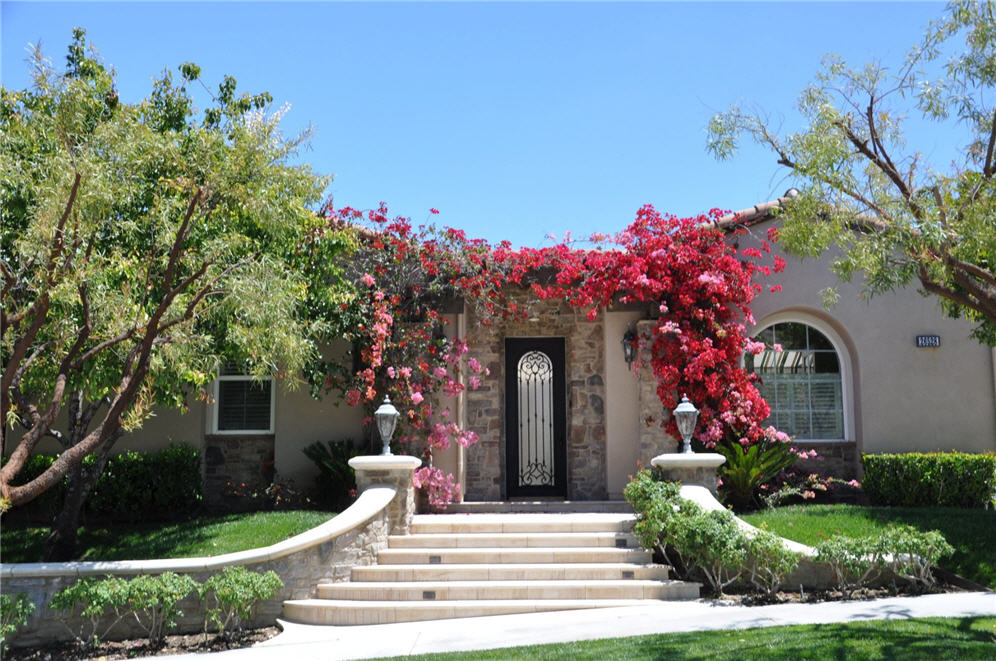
(586, 436)
(836, 459)
(235, 459)
(653, 439)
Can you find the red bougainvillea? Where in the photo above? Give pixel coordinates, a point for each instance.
(697, 288)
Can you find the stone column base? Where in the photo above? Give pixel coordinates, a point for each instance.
(393, 471)
(691, 468)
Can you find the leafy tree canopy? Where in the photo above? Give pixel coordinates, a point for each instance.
(864, 190)
(143, 246)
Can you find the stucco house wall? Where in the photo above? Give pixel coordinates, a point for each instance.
(898, 397)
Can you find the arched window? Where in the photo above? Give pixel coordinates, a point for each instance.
(801, 379)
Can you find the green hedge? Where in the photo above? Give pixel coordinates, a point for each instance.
(134, 485)
(944, 479)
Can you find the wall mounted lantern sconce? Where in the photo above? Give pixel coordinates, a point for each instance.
(387, 419)
(629, 351)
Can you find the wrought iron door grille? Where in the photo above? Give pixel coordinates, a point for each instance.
(536, 435)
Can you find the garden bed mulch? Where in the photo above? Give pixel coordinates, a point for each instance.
(131, 649)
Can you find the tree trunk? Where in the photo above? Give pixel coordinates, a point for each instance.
(63, 538)
(62, 542)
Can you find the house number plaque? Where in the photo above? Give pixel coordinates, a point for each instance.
(923, 341)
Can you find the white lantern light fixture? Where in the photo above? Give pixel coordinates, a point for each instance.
(387, 419)
(685, 415)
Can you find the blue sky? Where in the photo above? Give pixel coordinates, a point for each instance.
(515, 120)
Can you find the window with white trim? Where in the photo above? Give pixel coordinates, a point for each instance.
(243, 404)
(802, 382)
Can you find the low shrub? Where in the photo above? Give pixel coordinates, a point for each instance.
(711, 541)
(85, 605)
(770, 561)
(14, 612)
(135, 486)
(654, 502)
(153, 600)
(943, 479)
(139, 486)
(234, 593)
(853, 561)
(912, 554)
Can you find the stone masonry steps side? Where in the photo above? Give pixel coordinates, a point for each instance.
(599, 571)
(501, 590)
(340, 612)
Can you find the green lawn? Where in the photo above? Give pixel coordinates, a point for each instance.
(928, 639)
(971, 531)
(202, 536)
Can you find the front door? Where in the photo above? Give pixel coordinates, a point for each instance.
(535, 417)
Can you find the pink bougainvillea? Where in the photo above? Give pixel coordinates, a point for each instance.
(699, 286)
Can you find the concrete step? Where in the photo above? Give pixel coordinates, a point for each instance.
(501, 590)
(495, 555)
(340, 612)
(599, 571)
(518, 523)
(619, 540)
(539, 505)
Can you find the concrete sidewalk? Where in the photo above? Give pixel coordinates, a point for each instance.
(306, 642)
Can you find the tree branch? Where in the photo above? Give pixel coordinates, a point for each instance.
(987, 169)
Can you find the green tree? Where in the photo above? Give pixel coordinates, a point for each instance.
(863, 190)
(143, 246)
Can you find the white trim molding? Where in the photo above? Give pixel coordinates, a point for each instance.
(214, 406)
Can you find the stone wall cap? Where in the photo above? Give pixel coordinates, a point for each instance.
(385, 462)
(688, 460)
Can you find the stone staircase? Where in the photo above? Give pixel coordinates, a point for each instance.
(470, 565)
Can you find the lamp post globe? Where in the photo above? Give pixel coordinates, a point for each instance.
(387, 419)
(685, 415)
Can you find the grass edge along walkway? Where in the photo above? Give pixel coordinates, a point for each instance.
(907, 639)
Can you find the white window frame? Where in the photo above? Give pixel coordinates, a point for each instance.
(843, 357)
(216, 408)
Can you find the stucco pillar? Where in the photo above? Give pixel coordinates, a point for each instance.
(394, 471)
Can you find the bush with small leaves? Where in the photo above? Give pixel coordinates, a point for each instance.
(91, 607)
(711, 541)
(654, 501)
(911, 554)
(153, 600)
(234, 593)
(854, 561)
(770, 561)
(14, 612)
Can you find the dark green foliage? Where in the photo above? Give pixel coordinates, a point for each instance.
(335, 486)
(746, 469)
(135, 486)
(942, 479)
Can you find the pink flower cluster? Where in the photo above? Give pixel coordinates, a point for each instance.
(440, 487)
